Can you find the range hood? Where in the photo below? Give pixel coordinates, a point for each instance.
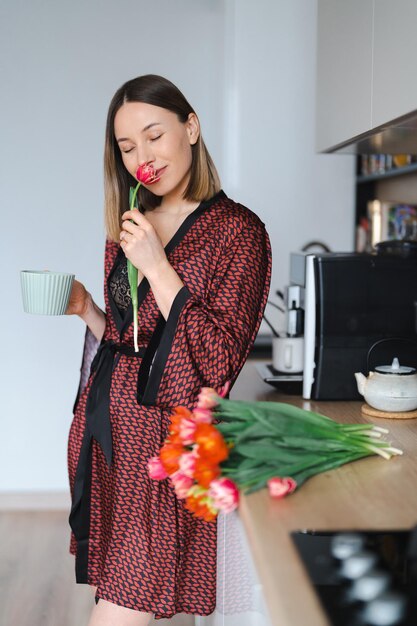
(398, 136)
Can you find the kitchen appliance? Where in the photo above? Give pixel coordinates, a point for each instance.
(352, 301)
(364, 578)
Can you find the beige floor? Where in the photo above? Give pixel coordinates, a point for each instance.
(37, 586)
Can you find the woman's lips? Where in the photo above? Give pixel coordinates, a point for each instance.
(158, 173)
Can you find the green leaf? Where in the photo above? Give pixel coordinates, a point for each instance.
(329, 464)
(248, 464)
(271, 409)
(323, 444)
(269, 452)
(227, 428)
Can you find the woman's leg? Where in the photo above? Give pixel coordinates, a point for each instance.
(108, 614)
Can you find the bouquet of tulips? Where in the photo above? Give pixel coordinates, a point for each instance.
(223, 446)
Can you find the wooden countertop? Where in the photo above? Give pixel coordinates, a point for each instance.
(368, 494)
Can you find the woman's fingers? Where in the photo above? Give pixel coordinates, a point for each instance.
(128, 227)
(140, 242)
(128, 237)
(78, 299)
(134, 215)
(138, 218)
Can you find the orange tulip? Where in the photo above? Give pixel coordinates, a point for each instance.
(183, 411)
(212, 446)
(200, 506)
(176, 419)
(204, 472)
(170, 456)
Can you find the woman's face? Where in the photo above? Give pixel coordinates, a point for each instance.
(147, 134)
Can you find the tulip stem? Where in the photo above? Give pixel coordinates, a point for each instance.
(133, 197)
(132, 273)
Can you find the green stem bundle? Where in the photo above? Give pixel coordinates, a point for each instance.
(271, 439)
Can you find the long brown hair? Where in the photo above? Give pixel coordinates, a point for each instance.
(204, 180)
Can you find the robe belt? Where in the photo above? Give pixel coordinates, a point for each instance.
(97, 414)
(97, 410)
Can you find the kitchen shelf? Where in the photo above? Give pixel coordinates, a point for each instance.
(370, 187)
(395, 171)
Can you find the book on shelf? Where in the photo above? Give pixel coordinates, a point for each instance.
(386, 221)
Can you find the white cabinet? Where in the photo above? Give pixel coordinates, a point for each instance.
(366, 67)
(344, 70)
(239, 600)
(395, 60)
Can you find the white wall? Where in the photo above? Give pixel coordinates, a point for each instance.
(249, 72)
(301, 195)
(61, 62)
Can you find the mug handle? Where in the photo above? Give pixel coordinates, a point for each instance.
(288, 357)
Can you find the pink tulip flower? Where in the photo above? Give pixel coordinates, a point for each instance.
(182, 483)
(147, 175)
(156, 469)
(187, 428)
(202, 416)
(225, 494)
(224, 390)
(207, 398)
(187, 463)
(281, 487)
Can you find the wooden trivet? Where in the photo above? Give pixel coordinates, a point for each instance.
(402, 415)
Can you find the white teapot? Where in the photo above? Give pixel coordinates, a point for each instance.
(391, 388)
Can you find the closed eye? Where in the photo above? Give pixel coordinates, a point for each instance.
(126, 151)
(156, 138)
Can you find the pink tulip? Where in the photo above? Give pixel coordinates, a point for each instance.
(202, 416)
(207, 398)
(187, 428)
(147, 175)
(187, 463)
(224, 493)
(224, 390)
(156, 469)
(280, 487)
(182, 483)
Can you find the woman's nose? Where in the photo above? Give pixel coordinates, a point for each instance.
(145, 157)
(145, 162)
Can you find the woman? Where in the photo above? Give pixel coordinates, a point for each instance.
(204, 265)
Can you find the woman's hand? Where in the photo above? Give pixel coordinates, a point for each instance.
(141, 244)
(79, 300)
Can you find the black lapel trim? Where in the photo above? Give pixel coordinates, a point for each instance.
(123, 322)
(79, 518)
(117, 316)
(189, 221)
(146, 364)
(163, 337)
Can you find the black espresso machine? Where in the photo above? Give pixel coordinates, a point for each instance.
(360, 311)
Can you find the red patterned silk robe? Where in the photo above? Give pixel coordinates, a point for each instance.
(131, 536)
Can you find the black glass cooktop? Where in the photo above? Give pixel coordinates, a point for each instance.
(363, 578)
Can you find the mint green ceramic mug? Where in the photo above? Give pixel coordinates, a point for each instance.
(45, 292)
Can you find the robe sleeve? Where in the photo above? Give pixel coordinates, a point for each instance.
(91, 343)
(212, 336)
